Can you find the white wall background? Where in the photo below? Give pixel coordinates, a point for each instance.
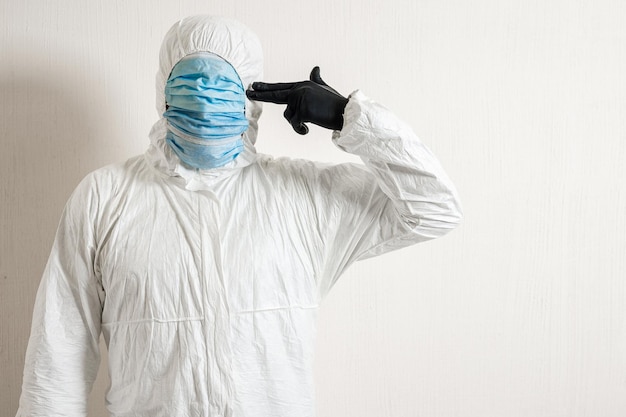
(520, 312)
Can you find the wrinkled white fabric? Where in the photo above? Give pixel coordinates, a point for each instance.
(206, 284)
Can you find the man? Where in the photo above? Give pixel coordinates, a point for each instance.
(203, 263)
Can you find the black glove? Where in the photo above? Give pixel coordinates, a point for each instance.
(307, 101)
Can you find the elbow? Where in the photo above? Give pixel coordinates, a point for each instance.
(455, 212)
(450, 216)
(441, 225)
(436, 221)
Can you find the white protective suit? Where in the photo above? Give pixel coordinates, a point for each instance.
(206, 284)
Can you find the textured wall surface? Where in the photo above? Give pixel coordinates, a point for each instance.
(520, 312)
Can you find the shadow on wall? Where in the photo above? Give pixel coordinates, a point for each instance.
(50, 133)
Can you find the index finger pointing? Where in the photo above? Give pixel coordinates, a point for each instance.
(259, 86)
(277, 97)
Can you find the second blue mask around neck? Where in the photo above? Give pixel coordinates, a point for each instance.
(206, 111)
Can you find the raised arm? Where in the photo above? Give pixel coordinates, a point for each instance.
(400, 196)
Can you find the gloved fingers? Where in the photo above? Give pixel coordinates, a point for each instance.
(271, 96)
(317, 79)
(300, 128)
(295, 122)
(259, 86)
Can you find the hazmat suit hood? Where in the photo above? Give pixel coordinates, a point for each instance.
(241, 48)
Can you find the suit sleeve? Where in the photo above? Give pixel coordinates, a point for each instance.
(63, 355)
(399, 196)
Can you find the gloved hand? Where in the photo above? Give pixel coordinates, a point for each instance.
(307, 101)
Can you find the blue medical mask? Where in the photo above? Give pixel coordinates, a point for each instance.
(206, 111)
